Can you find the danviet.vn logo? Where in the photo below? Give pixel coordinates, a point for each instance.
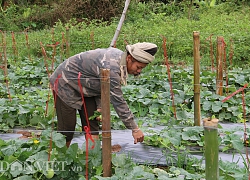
(22, 167)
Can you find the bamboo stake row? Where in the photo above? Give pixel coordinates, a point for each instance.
(197, 109)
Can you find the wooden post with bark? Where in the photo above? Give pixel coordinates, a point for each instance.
(106, 125)
(211, 148)
(197, 108)
(219, 69)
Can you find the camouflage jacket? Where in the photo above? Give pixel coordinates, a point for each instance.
(64, 80)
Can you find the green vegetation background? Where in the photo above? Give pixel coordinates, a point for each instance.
(145, 21)
(92, 24)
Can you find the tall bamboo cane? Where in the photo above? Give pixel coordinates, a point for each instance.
(197, 108)
(113, 42)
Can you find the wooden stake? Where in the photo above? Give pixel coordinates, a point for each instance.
(169, 73)
(211, 52)
(106, 127)
(14, 46)
(28, 45)
(211, 148)
(197, 108)
(219, 69)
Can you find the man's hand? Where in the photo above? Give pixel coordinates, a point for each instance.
(99, 118)
(138, 135)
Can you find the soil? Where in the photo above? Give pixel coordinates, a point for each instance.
(28, 134)
(116, 148)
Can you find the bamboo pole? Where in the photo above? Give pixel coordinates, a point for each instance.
(197, 108)
(219, 69)
(211, 149)
(67, 43)
(106, 127)
(113, 42)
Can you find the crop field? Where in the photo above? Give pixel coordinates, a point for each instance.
(192, 102)
(163, 96)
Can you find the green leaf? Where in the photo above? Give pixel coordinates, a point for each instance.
(217, 106)
(206, 105)
(119, 160)
(143, 92)
(23, 110)
(58, 139)
(237, 144)
(2, 143)
(9, 150)
(35, 120)
(2, 109)
(139, 173)
(40, 156)
(212, 3)
(25, 177)
(239, 78)
(181, 115)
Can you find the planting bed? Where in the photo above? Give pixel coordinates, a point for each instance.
(141, 153)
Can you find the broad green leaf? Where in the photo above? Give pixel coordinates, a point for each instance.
(35, 120)
(206, 105)
(181, 115)
(9, 150)
(58, 139)
(153, 110)
(2, 109)
(143, 93)
(71, 153)
(139, 173)
(119, 160)
(238, 144)
(40, 156)
(216, 106)
(240, 79)
(23, 110)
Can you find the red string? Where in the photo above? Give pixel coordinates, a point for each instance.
(86, 128)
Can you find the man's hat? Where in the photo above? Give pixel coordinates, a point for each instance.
(142, 52)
